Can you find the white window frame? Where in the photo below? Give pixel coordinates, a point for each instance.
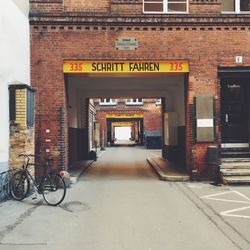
(165, 8)
(108, 103)
(237, 9)
(131, 102)
(158, 101)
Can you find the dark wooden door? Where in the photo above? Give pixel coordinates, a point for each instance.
(234, 127)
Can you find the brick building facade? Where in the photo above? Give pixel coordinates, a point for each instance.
(143, 116)
(212, 37)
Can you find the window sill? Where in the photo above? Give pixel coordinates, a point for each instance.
(134, 104)
(166, 13)
(234, 12)
(107, 104)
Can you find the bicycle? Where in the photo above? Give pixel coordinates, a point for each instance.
(4, 184)
(51, 186)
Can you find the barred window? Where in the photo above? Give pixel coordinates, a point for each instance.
(165, 6)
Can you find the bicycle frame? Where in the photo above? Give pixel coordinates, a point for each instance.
(39, 185)
(51, 185)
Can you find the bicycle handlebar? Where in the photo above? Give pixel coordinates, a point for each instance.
(28, 155)
(47, 159)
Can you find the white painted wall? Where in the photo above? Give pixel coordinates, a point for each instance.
(23, 6)
(14, 64)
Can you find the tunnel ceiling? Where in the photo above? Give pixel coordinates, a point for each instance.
(125, 86)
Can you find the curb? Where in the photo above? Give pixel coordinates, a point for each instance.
(164, 176)
(74, 176)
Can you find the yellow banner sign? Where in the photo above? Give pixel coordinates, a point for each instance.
(178, 66)
(124, 116)
(122, 124)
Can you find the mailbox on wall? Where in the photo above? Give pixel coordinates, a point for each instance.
(204, 122)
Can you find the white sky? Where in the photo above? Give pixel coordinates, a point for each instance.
(122, 133)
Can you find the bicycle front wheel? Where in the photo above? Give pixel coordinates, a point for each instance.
(19, 185)
(54, 189)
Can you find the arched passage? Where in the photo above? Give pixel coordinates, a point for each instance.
(83, 87)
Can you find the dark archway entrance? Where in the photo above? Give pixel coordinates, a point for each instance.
(137, 131)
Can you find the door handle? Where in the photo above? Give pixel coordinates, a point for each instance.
(226, 118)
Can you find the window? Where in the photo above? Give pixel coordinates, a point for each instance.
(158, 101)
(21, 104)
(165, 6)
(107, 101)
(12, 104)
(30, 108)
(236, 6)
(134, 101)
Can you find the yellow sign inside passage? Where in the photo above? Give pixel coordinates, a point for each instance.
(124, 116)
(122, 124)
(178, 66)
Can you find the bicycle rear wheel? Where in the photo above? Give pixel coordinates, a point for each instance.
(19, 185)
(54, 189)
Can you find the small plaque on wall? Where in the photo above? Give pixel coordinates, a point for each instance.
(204, 109)
(126, 44)
(205, 123)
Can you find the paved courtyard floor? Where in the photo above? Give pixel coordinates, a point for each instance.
(120, 204)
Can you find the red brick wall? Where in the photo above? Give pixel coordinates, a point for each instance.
(205, 6)
(121, 7)
(86, 5)
(126, 7)
(48, 80)
(205, 45)
(46, 6)
(152, 118)
(59, 6)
